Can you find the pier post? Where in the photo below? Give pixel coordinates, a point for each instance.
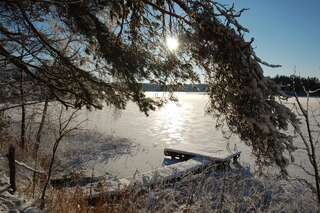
(12, 168)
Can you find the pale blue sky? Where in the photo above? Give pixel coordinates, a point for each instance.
(286, 32)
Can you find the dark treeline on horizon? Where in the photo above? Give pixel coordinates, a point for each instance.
(289, 84)
(184, 88)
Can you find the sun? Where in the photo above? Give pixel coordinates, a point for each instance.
(172, 43)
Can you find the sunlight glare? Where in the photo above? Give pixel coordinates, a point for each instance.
(172, 43)
(172, 120)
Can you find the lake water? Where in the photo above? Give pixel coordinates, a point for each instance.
(184, 123)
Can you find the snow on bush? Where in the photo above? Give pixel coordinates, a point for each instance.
(224, 191)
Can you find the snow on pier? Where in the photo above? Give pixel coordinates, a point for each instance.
(188, 162)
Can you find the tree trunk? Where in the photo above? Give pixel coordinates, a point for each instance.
(23, 114)
(54, 150)
(39, 133)
(38, 141)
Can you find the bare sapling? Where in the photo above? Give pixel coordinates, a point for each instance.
(310, 118)
(38, 141)
(66, 124)
(23, 114)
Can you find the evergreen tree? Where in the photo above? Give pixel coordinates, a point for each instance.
(93, 51)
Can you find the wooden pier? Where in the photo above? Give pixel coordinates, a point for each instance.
(184, 162)
(181, 153)
(187, 162)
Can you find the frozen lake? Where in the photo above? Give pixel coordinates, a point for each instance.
(184, 123)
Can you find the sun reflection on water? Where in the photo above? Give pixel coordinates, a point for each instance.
(172, 121)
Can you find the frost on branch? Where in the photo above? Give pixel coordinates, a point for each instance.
(94, 52)
(240, 96)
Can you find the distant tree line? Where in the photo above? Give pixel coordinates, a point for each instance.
(183, 88)
(291, 84)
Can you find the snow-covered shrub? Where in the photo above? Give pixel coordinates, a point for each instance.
(224, 191)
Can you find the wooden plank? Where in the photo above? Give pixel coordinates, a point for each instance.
(216, 156)
(178, 155)
(166, 173)
(74, 181)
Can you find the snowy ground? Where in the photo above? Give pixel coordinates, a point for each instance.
(12, 203)
(122, 144)
(222, 191)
